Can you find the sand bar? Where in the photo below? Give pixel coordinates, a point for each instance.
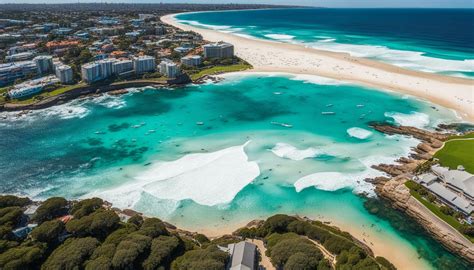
(271, 56)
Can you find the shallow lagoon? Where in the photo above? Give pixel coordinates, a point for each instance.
(136, 150)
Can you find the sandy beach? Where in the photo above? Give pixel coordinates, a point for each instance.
(271, 56)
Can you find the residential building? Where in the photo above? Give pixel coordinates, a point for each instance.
(143, 64)
(31, 87)
(192, 60)
(23, 56)
(90, 72)
(122, 66)
(10, 72)
(22, 232)
(64, 74)
(453, 187)
(169, 69)
(54, 45)
(243, 256)
(218, 50)
(44, 63)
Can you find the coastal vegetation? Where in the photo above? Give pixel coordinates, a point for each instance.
(458, 151)
(445, 213)
(289, 245)
(87, 234)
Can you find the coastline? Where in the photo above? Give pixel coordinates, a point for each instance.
(272, 56)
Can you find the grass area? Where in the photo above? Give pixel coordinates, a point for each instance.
(220, 69)
(456, 153)
(435, 209)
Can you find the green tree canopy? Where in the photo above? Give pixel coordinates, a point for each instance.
(10, 200)
(22, 257)
(48, 232)
(71, 254)
(86, 207)
(210, 258)
(51, 208)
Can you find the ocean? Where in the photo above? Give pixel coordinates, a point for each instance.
(431, 40)
(217, 155)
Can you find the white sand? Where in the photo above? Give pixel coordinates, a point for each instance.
(270, 56)
(288, 151)
(206, 178)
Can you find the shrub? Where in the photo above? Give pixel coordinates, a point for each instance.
(10, 200)
(48, 232)
(385, 263)
(71, 254)
(201, 238)
(86, 207)
(430, 197)
(5, 245)
(51, 208)
(446, 210)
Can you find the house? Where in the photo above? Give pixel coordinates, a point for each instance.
(453, 187)
(243, 256)
(23, 232)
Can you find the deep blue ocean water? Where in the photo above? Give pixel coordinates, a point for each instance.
(432, 40)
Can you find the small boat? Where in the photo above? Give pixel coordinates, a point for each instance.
(328, 113)
(199, 123)
(329, 105)
(360, 105)
(136, 126)
(282, 124)
(277, 93)
(99, 132)
(151, 131)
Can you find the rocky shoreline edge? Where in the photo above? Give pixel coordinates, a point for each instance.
(394, 190)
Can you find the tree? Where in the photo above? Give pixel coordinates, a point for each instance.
(136, 220)
(153, 227)
(131, 251)
(467, 229)
(446, 210)
(71, 254)
(385, 263)
(51, 208)
(10, 200)
(48, 232)
(301, 261)
(10, 216)
(277, 223)
(22, 257)
(86, 207)
(98, 224)
(210, 258)
(281, 253)
(163, 250)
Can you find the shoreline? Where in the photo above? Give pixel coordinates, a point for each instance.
(272, 56)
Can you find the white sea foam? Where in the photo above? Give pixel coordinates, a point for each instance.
(414, 119)
(407, 59)
(359, 133)
(331, 181)
(206, 178)
(280, 36)
(108, 101)
(288, 151)
(316, 79)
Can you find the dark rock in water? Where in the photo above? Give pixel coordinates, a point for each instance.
(458, 127)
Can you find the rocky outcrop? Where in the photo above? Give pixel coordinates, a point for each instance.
(398, 194)
(396, 191)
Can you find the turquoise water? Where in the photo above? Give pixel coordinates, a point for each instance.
(431, 40)
(128, 149)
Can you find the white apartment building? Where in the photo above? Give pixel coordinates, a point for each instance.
(143, 64)
(64, 73)
(218, 50)
(192, 61)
